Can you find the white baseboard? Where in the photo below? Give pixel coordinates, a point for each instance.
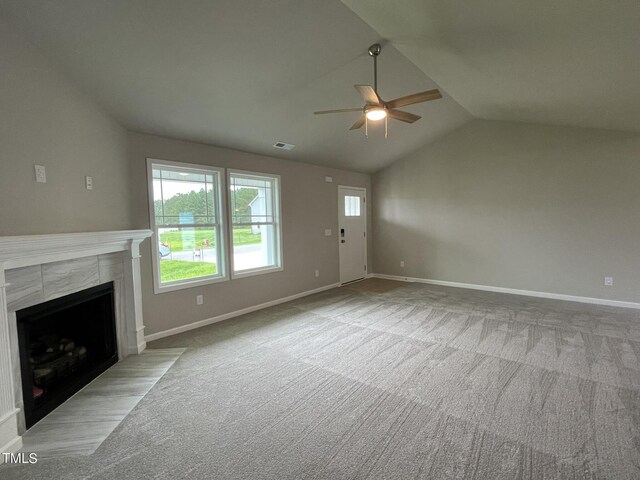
(237, 313)
(10, 441)
(138, 349)
(513, 291)
(12, 447)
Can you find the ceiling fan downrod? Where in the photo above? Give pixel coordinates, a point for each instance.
(374, 51)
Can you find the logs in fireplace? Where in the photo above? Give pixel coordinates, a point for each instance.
(64, 344)
(52, 360)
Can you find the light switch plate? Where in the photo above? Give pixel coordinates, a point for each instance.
(328, 179)
(41, 174)
(327, 232)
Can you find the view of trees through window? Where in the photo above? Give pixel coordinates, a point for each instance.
(196, 246)
(206, 233)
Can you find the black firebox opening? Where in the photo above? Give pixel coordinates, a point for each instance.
(64, 344)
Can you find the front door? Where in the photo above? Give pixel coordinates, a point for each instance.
(352, 233)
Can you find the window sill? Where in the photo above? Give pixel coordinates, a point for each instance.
(187, 284)
(255, 271)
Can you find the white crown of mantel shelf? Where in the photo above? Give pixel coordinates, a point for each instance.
(17, 252)
(25, 250)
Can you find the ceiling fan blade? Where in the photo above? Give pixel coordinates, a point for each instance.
(415, 98)
(403, 116)
(343, 110)
(368, 94)
(358, 123)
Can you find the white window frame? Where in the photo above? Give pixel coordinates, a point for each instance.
(277, 202)
(221, 239)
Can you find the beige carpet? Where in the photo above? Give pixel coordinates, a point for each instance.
(371, 381)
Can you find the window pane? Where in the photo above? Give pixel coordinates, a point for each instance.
(187, 253)
(252, 199)
(190, 229)
(183, 196)
(254, 246)
(351, 206)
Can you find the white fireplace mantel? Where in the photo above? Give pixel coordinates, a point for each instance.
(25, 250)
(36, 268)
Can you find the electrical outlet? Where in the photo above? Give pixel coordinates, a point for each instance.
(317, 273)
(88, 182)
(402, 263)
(41, 174)
(608, 281)
(199, 299)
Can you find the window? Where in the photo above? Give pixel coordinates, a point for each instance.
(351, 206)
(185, 209)
(255, 222)
(189, 217)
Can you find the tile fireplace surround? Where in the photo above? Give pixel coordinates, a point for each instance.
(38, 268)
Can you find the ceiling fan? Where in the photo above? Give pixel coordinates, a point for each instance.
(377, 109)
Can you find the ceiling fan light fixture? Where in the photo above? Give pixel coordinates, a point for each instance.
(375, 114)
(375, 109)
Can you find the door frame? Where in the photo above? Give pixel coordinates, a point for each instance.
(366, 230)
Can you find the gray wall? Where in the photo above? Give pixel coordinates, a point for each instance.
(309, 205)
(515, 205)
(46, 121)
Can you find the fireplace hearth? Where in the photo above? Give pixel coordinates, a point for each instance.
(63, 345)
(35, 269)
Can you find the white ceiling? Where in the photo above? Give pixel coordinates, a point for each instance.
(239, 74)
(565, 62)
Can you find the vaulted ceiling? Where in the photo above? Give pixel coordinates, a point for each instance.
(239, 74)
(563, 62)
(245, 74)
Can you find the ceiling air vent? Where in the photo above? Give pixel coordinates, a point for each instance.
(283, 146)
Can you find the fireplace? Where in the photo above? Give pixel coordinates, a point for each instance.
(36, 269)
(64, 344)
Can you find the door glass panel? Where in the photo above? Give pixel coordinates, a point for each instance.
(351, 206)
